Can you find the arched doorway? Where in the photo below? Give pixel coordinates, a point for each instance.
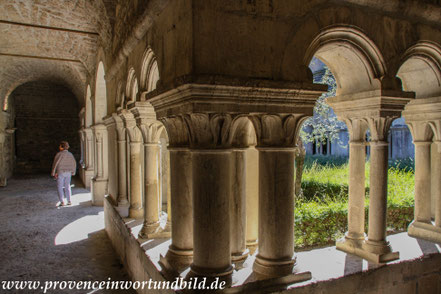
(45, 114)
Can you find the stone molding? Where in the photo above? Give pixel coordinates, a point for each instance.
(201, 98)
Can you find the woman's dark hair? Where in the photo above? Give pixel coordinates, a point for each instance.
(64, 145)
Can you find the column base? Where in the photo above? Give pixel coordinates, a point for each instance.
(136, 212)
(99, 190)
(348, 244)
(86, 177)
(273, 268)
(252, 246)
(224, 274)
(122, 202)
(176, 260)
(239, 258)
(375, 252)
(154, 230)
(425, 231)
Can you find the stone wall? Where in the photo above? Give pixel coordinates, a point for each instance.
(45, 114)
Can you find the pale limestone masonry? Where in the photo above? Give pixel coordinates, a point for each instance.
(227, 83)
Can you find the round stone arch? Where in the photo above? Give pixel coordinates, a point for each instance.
(100, 97)
(149, 71)
(131, 86)
(352, 57)
(420, 69)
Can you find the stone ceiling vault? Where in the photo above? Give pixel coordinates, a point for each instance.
(51, 40)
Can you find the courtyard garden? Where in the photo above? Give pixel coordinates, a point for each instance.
(322, 206)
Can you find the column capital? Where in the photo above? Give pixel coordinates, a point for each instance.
(214, 113)
(379, 127)
(277, 130)
(357, 128)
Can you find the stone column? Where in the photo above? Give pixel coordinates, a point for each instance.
(252, 198)
(167, 180)
(89, 157)
(122, 161)
(276, 194)
(82, 149)
(376, 246)
(276, 212)
(136, 209)
(436, 181)
(426, 175)
(378, 196)
(355, 235)
(422, 182)
(151, 130)
(238, 207)
(180, 252)
(152, 199)
(99, 182)
(211, 207)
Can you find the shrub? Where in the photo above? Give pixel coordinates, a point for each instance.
(321, 210)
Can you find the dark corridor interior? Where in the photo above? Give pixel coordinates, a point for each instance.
(44, 114)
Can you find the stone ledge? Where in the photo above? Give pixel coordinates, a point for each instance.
(332, 271)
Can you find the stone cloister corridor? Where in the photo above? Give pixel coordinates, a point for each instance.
(41, 243)
(184, 116)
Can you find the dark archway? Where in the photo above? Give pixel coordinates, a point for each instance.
(45, 113)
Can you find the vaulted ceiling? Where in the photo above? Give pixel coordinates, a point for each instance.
(52, 40)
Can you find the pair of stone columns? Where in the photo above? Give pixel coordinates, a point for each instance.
(143, 132)
(375, 112)
(214, 176)
(426, 133)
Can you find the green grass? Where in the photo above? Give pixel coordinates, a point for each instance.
(321, 210)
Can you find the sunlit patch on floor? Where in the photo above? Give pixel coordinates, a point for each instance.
(80, 229)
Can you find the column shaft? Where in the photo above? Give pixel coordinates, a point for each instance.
(252, 197)
(151, 209)
(276, 212)
(422, 182)
(122, 173)
(357, 158)
(378, 196)
(135, 209)
(211, 227)
(436, 182)
(238, 206)
(180, 253)
(99, 158)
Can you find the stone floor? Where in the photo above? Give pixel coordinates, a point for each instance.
(40, 242)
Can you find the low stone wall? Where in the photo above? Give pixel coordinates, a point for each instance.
(418, 271)
(129, 249)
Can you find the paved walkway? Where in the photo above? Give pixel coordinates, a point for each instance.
(40, 242)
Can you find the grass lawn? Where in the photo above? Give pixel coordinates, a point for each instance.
(321, 210)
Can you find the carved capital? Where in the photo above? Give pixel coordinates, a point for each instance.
(379, 127)
(89, 134)
(177, 131)
(132, 129)
(120, 129)
(151, 131)
(357, 129)
(277, 130)
(208, 130)
(421, 131)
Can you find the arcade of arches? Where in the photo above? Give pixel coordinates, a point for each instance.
(192, 108)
